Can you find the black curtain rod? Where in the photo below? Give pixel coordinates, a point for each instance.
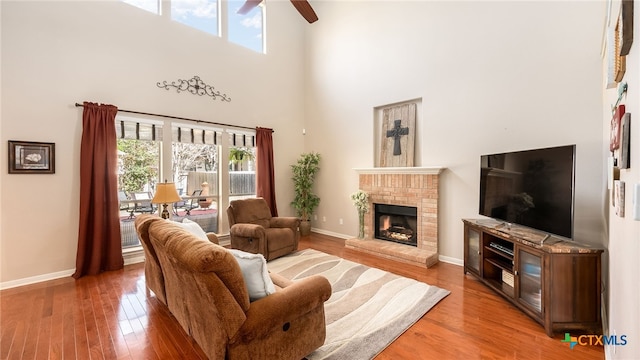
(180, 118)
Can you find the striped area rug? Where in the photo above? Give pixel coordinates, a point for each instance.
(369, 307)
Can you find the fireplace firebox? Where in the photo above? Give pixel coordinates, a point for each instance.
(396, 223)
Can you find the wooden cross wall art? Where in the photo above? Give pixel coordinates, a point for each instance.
(398, 135)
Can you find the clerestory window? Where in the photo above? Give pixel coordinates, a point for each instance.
(198, 14)
(205, 15)
(152, 6)
(246, 30)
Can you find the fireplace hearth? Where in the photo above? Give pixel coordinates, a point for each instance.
(396, 223)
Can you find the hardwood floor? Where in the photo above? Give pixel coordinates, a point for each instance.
(112, 316)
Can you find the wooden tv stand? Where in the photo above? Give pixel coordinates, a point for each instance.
(556, 282)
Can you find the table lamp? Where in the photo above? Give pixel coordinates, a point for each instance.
(165, 193)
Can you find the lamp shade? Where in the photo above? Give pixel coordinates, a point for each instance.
(165, 193)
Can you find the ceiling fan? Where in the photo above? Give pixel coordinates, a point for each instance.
(302, 6)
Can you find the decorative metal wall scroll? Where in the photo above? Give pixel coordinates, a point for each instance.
(195, 86)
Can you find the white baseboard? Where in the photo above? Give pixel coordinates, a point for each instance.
(35, 279)
(330, 233)
(450, 260)
(130, 257)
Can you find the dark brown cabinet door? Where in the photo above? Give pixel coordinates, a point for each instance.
(529, 275)
(472, 250)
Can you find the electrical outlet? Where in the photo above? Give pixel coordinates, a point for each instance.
(341, 222)
(324, 219)
(315, 217)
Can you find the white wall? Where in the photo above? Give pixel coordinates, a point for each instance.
(57, 53)
(624, 233)
(492, 76)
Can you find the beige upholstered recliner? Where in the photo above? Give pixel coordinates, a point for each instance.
(254, 230)
(152, 272)
(207, 294)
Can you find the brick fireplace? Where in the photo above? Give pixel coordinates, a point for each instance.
(413, 187)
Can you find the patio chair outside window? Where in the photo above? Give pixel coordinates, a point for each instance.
(178, 204)
(143, 206)
(191, 204)
(125, 204)
(122, 196)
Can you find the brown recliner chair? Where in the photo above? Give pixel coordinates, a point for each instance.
(154, 278)
(254, 230)
(207, 294)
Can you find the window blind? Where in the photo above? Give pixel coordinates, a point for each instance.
(242, 139)
(192, 135)
(138, 130)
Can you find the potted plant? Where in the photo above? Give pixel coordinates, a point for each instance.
(237, 155)
(305, 201)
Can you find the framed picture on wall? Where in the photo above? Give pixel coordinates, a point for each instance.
(626, 27)
(619, 197)
(625, 145)
(614, 140)
(28, 157)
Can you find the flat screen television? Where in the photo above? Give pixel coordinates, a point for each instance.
(533, 188)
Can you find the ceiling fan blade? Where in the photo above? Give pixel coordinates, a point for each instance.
(305, 10)
(248, 6)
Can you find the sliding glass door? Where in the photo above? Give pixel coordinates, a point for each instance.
(139, 149)
(210, 166)
(195, 167)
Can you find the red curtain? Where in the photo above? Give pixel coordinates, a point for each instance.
(99, 246)
(265, 183)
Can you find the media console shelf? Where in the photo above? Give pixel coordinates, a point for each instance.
(555, 282)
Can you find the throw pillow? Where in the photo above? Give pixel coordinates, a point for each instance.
(255, 274)
(194, 228)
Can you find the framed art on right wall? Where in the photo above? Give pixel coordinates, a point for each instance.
(625, 145)
(614, 139)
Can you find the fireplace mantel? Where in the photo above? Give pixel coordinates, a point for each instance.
(429, 170)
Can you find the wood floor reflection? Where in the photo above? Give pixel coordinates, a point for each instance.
(112, 316)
